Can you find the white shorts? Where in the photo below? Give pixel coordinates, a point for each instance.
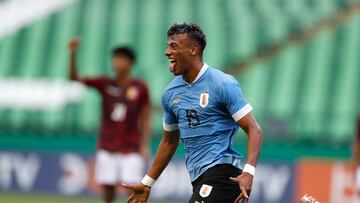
(114, 168)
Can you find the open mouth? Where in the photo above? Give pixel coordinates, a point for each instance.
(172, 65)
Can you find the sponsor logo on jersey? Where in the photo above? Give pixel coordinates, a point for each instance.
(176, 100)
(113, 91)
(205, 190)
(132, 93)
(204, 99)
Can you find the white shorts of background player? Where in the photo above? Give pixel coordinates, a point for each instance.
(115, 168)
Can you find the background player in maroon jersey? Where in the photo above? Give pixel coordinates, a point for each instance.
(125, 127)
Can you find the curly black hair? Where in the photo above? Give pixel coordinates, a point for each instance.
(192, 30)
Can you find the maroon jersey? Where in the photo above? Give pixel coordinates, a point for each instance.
(121, 107)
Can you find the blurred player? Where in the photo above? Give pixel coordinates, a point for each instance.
(125, 127)
(204, 107)
(356, 163)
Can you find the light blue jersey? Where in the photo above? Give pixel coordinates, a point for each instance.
(205, 112)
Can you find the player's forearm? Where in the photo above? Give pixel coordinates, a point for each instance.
(255, 139)
(165, 152)
(73, 67)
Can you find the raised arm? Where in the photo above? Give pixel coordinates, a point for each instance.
(255, 139)
(94, 82)
(165, 152)
(73, 47)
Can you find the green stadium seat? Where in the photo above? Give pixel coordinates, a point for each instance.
(347, 85)
(34, 51)
(58, 60)
(7, 54)
(123, 22)
(243, 38)
(312, 86)
(254, 84)
(215, 29)
(180, 11)
(287, 67)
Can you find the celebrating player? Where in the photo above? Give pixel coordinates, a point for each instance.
(204, 107)
(125, 128)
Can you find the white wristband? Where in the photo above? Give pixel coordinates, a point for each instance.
(249, 169)
(148, 181)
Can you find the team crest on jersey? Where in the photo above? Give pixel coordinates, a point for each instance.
(204, 99)
(131, 93)
(205, 190)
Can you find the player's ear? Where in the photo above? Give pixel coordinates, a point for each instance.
(194, 50)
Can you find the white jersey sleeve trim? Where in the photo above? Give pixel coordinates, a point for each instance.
(170, 128)
(242, 112)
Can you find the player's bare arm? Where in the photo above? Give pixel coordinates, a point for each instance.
(145, 130)
(73, 49)
(255, 139)
(165, 152)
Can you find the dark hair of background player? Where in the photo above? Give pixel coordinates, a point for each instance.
(125, 52)
(192, 30)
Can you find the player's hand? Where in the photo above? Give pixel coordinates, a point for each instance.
(74, 44)
(140, 193)
(245, 181)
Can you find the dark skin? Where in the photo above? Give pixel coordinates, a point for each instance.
(122, 67)
(185, 57)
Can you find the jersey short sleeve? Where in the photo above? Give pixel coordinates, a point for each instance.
(97, 83)
(170, 122)
(234, 100)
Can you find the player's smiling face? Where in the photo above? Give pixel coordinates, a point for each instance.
(180, 53)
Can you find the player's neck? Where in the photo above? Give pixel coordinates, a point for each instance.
(122, 80)
(194, 70)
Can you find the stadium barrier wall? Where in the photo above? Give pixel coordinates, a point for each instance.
(275, 182)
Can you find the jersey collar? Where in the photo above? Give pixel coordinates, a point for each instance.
(202, 71)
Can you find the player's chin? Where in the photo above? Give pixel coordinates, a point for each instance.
(177, 72)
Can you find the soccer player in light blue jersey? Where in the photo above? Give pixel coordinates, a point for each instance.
(203, 107)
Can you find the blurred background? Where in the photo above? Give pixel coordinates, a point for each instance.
(298, 63)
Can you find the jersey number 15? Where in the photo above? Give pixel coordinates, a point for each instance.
(192, 118)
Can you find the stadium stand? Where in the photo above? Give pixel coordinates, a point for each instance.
(308, 91)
